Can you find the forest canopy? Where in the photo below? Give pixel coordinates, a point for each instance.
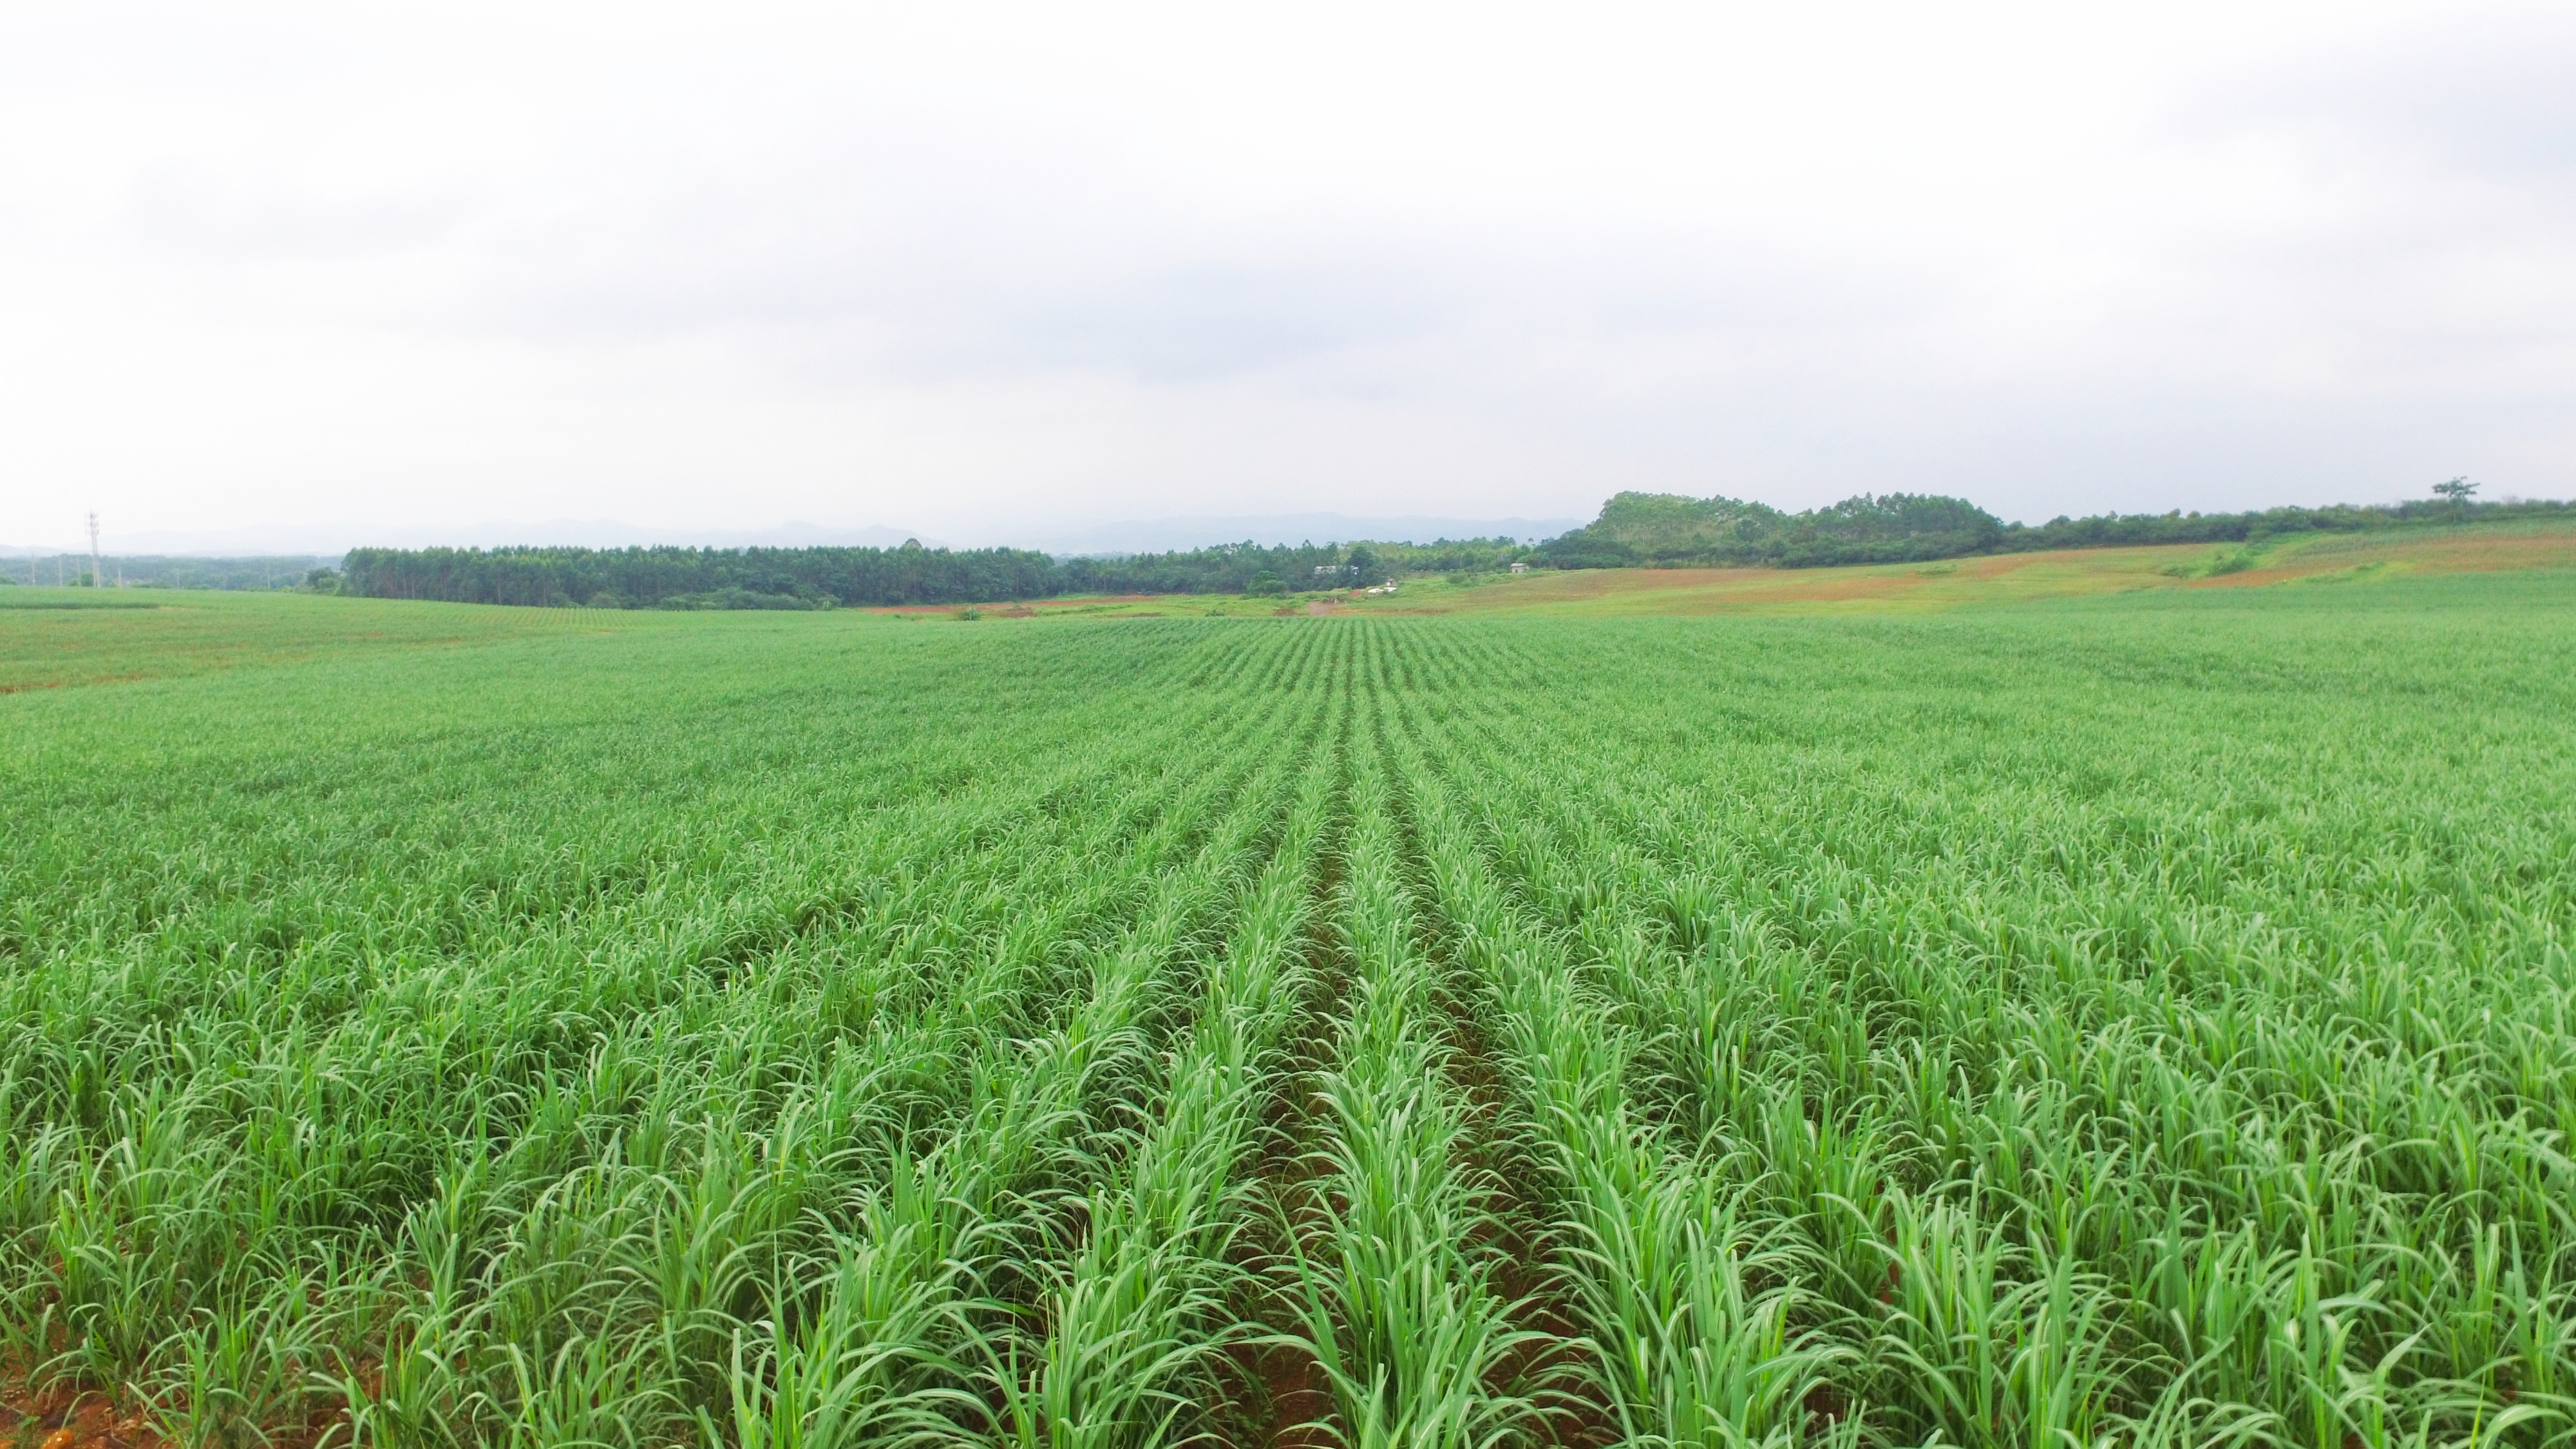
(793, 578)
(1670, 531)
(1635, 530)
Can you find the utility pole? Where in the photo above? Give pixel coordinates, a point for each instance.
(97, 570)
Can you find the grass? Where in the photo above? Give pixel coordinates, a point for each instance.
(2137, 1015)
(2005, 578)
(52, 638)
(2514, 545)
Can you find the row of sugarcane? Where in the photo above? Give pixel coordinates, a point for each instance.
(2012, 1194)
(539, 1196)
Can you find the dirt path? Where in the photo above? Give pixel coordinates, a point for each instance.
(1522, 1225)
(1297, 1397)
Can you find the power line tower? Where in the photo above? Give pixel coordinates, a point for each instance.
(97, 570)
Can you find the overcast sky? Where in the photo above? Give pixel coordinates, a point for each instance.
(978, 269)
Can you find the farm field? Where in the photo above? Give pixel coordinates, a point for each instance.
(2304, 559)
(51, 638)
(2140, 1017)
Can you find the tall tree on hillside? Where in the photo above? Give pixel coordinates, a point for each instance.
(2459, 491)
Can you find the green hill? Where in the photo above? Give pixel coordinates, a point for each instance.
(1668, 529)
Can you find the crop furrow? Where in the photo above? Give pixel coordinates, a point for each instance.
(1395, 1296)
(1137, 1324)
(922, 1283)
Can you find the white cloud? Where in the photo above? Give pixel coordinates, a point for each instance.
(968, 268)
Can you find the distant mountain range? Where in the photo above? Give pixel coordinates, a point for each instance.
(1152, 535)
(1163, 535)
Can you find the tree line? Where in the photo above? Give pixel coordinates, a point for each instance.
(1634, 530)
(1667, 530)
(819, 578)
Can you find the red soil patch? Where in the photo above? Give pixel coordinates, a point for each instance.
(67, 1418)
(1301, 1399)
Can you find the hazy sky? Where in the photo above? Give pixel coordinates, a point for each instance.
(973, 268)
